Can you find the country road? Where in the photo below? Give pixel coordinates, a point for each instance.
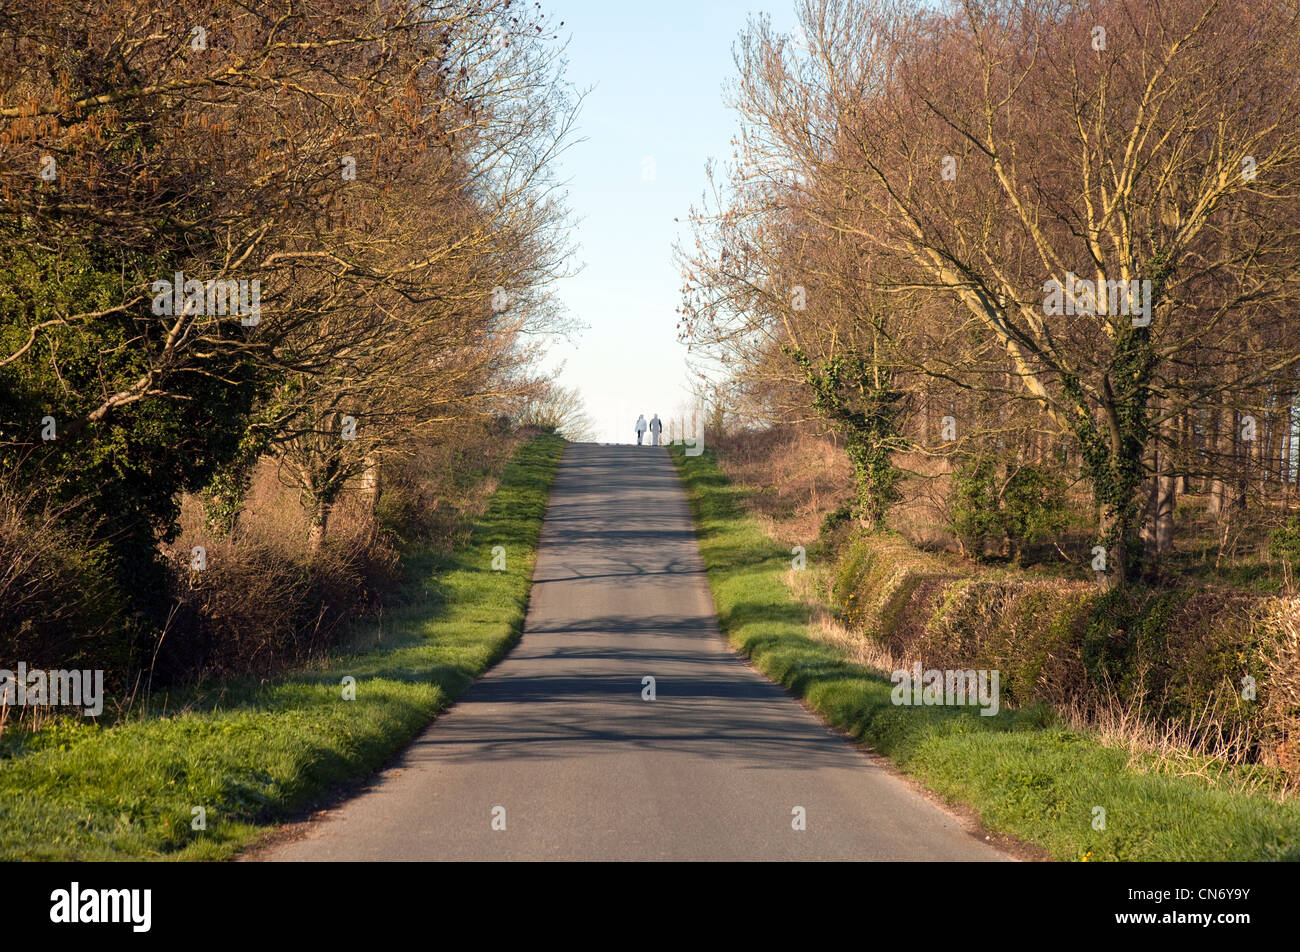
(559, 737)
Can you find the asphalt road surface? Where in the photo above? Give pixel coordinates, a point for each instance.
(557, 744)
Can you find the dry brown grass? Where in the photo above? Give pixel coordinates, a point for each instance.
(1279, 631)
(796, 476)
(1178, 748)
(825, 627)
(799, 476)
(266, 600)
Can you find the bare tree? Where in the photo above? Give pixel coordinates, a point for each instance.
(1086, 196)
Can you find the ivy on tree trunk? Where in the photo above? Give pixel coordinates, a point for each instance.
(858, 399)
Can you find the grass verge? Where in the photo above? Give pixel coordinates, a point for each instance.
(250, 753)
(1023, 772)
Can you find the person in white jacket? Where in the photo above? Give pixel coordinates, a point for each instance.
(640, 429)
(656, 427)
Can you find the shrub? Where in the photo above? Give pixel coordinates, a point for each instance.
(258, 608)
(1030, 631)
(836, 518)
(1177, 656)
(59, 602)
(1284, 543)
(1022, 509)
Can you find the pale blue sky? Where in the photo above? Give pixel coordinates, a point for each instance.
(658, 70)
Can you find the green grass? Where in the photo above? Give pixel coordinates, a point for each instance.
(252, 753)
(1020, 770)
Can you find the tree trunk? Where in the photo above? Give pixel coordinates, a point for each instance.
(1288, 446)
(1223, 442)
(370, 483)
(1166, 497)
(319, 524)
(1184, 435)
(1258, 449)
(1241, 463)
(1116, 555)
(1166, 491)
(1150, 504)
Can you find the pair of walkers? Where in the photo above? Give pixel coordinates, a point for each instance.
(655, 427)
